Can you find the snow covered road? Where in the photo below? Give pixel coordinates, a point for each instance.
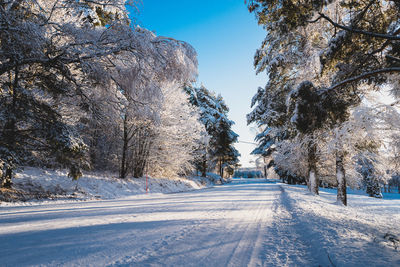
(239, 224)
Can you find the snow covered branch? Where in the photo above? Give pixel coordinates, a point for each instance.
(393, 36)
(364, 76)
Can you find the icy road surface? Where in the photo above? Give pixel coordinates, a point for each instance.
(239, 224)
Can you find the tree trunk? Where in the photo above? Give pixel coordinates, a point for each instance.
(313, 181)
(221, 169)
(9, 131)
(265, 167)
(7, 178)
(122, 173)
(307, 178)
(204, 166)
(290, 179)
(341, 178)
(141, 151)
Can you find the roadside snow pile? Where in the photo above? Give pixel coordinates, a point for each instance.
(34, 183)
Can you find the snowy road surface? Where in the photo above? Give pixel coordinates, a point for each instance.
(239, 224)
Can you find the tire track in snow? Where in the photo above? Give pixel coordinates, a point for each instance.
(223, 237)
(249, 245)
(148, 256)
(151, 254)
(290, 242)
(236, 241)
(223, 226)
(240, 242)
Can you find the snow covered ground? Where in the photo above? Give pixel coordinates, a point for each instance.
(318, 231)
(45, 184)
(245, 223)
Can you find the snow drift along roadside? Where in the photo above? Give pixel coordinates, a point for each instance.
(32, 184)
(363, 233)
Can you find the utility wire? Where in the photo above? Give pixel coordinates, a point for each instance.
(245, 142)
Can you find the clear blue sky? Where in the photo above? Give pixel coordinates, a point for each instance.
(225, 36)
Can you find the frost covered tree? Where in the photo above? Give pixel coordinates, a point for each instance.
(308, 116)
(364, 43)
(281, 56)
(264, 149)
(394, 159)
(177, 135)
(51, 51)
(222, 145)
(214, 116)
(82, 87)
(140, 93)
(370, 176)
(335, 47)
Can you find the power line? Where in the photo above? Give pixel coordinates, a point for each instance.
(246, 142)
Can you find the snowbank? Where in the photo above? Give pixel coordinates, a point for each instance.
(33, 184)
(355, 235)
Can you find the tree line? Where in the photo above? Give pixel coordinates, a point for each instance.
(83, 88)
(319, 115)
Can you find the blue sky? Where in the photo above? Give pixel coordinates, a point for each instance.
(225, 36)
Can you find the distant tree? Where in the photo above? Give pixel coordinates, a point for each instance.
(223, 148)
(213, 114)
(248, 174)
(394, 182)
(371, 180)
(177, 136)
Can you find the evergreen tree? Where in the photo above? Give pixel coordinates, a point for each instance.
(348, 43)
(281, 55)
(370, 178)
(213, 114)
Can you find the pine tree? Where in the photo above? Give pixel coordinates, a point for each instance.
(360, 45)
(370, 179)
(213, 114)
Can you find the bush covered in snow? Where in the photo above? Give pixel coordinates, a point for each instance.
(34, 184)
